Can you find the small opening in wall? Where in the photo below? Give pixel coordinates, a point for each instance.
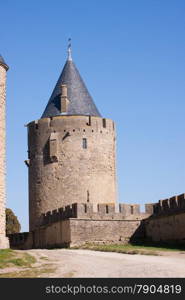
(64, 130)
(36, 126)
(92, 130)
(104, 123)
(100, 131)
(132, 210)
(84, 130)
(107, 209)
(85, 208)
(73, 130)
(84, 143)
(87, 196)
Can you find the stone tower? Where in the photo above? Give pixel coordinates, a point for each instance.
(4, 243)
(71, 150)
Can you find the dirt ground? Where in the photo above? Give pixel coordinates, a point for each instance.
(87, 263)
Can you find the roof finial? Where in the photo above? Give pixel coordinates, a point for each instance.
(69, 50)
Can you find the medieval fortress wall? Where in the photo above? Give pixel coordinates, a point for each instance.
(3, 239)
(82, 223)
(71, 159)
(72, 178)
(167, 223)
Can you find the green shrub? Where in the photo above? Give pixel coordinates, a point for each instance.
(12, 223)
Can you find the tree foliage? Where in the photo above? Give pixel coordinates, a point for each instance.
(12, 223)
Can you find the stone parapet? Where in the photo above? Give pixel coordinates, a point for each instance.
(95, 211)
(171, 205)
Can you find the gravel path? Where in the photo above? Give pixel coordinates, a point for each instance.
(87, 263)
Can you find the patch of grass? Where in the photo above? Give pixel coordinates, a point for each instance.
(44, 257)
(128, 248)
(30, 273)
(159, 246)
(10, 258)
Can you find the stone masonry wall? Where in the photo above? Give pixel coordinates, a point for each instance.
(71, 159)
(3, 239)
(167, 224)
(105, 231)
(95, 211)
(72, 232)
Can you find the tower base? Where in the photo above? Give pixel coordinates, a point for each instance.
(4, 242)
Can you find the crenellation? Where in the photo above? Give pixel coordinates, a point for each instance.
(149, 208)
(165, 205)
(181, 201)
(93, 211)
(170, 205)
(173, 202)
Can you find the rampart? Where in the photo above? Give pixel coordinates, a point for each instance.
(167, 224)
(97, 212)
(173, 205)
(81, 223)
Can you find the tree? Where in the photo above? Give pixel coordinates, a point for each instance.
(12, 223)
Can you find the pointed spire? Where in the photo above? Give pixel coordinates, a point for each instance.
(2, 63)
(69, 57)
(79, 101)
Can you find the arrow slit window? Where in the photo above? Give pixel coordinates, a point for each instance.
(84, 143)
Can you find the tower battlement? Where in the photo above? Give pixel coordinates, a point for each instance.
(69, 122)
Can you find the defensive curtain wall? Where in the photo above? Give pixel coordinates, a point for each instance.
(79, 223)
(167, 223)
(84, 222)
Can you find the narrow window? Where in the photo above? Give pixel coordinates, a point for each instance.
(107, 209)
(132, 210)
(104, 123)
(89, 123)
(84, 143)
(87, 196)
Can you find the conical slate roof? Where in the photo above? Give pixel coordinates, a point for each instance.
(2, 62)
(80, 101)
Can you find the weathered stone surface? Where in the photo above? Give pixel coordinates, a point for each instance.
(166, 228)
(72, 159)
(73, 232)
(3, 240)
(105, 231)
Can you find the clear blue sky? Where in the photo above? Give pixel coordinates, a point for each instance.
(131, 54)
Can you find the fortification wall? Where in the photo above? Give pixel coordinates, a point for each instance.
(3, 240)
(80, 223)
(96, 212)
(171, 205)
(105, 231)
(85, 222)
(71, 159)
(167, 224)
(72, 232)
